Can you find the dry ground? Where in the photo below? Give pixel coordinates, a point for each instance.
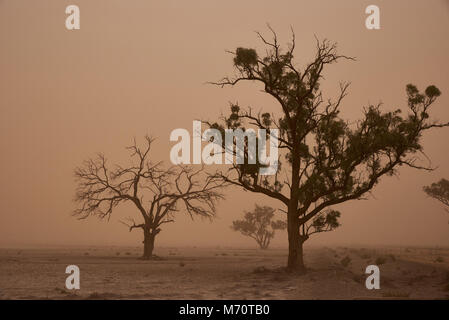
(195, 273)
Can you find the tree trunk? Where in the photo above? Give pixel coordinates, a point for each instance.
(295, 261)
(148, 244)
(264, 243)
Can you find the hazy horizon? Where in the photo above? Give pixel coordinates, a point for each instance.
(142, 69)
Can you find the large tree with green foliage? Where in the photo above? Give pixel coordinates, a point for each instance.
(326, 159)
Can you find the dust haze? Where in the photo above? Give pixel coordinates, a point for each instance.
(142, 68)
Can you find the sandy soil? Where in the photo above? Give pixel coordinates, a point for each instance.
(195, 273)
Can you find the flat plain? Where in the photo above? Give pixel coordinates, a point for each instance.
(224, 273)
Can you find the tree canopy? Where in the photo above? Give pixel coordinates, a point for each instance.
(259, 225)
(439, 191)
(326, 159)
(157, 192)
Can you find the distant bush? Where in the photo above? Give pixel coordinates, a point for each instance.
(439, 259)
(358, 279)
(259, 225)
(396, 294)
(345, 261)
(182, 264)
(260, 270)
(365, 256)
(380, 260)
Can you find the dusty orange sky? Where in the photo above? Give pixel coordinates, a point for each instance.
(138, 67)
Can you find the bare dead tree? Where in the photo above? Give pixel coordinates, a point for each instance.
(326, 160)
(156, 192)
(259, 225)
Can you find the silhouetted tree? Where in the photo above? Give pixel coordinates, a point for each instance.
(329, 160)
(259, 225)
(156, 192)
(440, 191)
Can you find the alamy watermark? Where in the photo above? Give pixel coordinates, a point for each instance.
(247, 147)
(73, 280)
(72, 22)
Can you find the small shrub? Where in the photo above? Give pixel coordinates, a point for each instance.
(345, 261)
(365, 256)
(439, 259)
(260, 270)
(128, 253)
(60, 291)
(395, 294)
(358, 279)
(380, 260)
(415, 279)
(182, 264)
